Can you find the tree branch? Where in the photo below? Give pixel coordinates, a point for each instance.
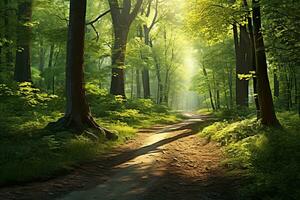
(135, 11)
(99, 17)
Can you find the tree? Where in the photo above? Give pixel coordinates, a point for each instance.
(147, 29)
(122, 19)
(268, 115)
(23, 53)
(77, 116)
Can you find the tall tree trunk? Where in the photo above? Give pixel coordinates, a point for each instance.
(8, 36)
(237, 63)
(42, 56)
(23, 53)
(146, 76)
(268, 115)
(288, 90)
(166, 88)
(77, 115)
(50, 66)
(118, 62)
(160, 87)
(209, 88)
(276, 84)
(138, 83)
(1, 46)
(146, 30)
(132, 83)
(242, 85)
(146, 83)
(122, 18)
(252, 60)
(230, 86)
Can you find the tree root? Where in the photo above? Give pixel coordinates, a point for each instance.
(82, 125)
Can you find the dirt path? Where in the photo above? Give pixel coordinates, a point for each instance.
(162, 163)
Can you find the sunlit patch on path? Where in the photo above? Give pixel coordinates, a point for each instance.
(165, 162)
(161, 163)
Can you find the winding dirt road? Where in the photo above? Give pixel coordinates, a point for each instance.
(161, 163)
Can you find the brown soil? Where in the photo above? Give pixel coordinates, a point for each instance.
(161, 163)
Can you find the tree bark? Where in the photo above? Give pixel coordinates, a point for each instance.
(42, 56)
(146, 83)
(252, 60)
(50, 66)
(122, 19)
(160, 86)
(147, 30)
(8, 36)
(209, 89)
(118, 61)
(268, 115)
(77, 116)
(138, 84)
(276, 84)
(230, 86)
(242, 85)
(23, 53)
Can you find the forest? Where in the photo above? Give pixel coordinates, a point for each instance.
(150, 99)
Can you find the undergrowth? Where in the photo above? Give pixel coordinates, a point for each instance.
(29, 152)
(270, 156)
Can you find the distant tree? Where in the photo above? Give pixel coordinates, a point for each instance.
(24, 34)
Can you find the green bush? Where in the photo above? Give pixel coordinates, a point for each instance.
(29, 152)
(271, 156)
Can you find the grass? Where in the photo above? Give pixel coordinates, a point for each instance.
(29, 152)
(270, 156)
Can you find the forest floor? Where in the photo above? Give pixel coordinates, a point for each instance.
(161, 163)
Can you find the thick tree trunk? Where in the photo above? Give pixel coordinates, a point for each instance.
(238, 89)
(122, 18)
(268, 115)
(23, 57)
(77, 116)
(242, 85)
(118, 62)
(1, 46)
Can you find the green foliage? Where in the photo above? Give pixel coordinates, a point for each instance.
(44, 155)
(28, 152)
(271, 156)
(115, 108)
